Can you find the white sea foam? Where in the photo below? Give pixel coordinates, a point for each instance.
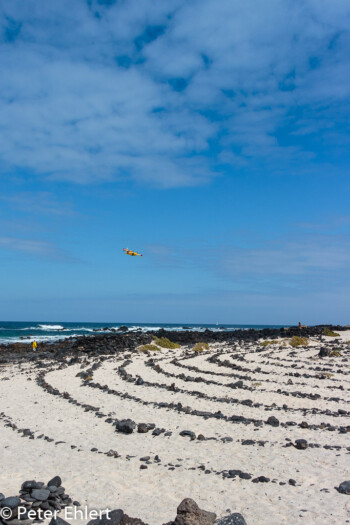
(51, 327)
(38, 339)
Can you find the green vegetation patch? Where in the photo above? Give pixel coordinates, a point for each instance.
(330, 333)
(335, 353)
(199, 347)
(164, 342)
(149, 348)
(298, 341)
(271, 342)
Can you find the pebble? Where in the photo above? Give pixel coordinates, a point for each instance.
(301, 444)
(344, 487)
(126, 426)
(188, 433)
(273, 421)
(232, 519)
(11, 502)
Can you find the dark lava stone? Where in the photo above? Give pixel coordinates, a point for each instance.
(189, 433)
(126, 426)
(324, 352)
(55, 481)
(261, 479)
(28, 485)
(301, 444)
(232, 519)
(273, 421)
(344, 488)
(157, 431)
(245, 475)
(40, 494)
(142, 428)
(11, 502)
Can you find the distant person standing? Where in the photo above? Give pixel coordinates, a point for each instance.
(34, 346)
(300, 325)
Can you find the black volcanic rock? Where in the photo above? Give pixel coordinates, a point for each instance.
(142, 428)
(232, 519)
(344, 487)
(188, 513)
(11, 502)
(189, 433)
(324, 352)
(301, 444)
(56, 481)
(273, 421)
(29, 485)
(40, 494)
(126, 426)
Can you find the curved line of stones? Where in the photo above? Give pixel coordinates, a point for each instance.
(307, 376)
(326, 369)
(178, 363)
(157, 368)
(30, 434)
(269, 354)
(280, 360)
(226, 364)
(296, 367)
(226, 474)
(129, 377)
(217, 415)
(96, 411)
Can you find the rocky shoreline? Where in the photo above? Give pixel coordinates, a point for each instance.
(129, 340)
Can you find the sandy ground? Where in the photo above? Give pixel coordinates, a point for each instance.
(152, 494)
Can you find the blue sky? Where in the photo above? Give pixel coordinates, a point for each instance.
(212, 136)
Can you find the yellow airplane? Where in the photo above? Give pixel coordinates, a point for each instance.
(130, 252)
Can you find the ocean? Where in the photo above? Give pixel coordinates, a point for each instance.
(26, 332)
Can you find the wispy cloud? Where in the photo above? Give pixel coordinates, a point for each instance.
(36, 248)
(301, 262)
(171, 93)
(38, 202)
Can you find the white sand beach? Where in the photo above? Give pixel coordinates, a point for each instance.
(67, 438)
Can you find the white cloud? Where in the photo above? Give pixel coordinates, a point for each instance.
(240, 71)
